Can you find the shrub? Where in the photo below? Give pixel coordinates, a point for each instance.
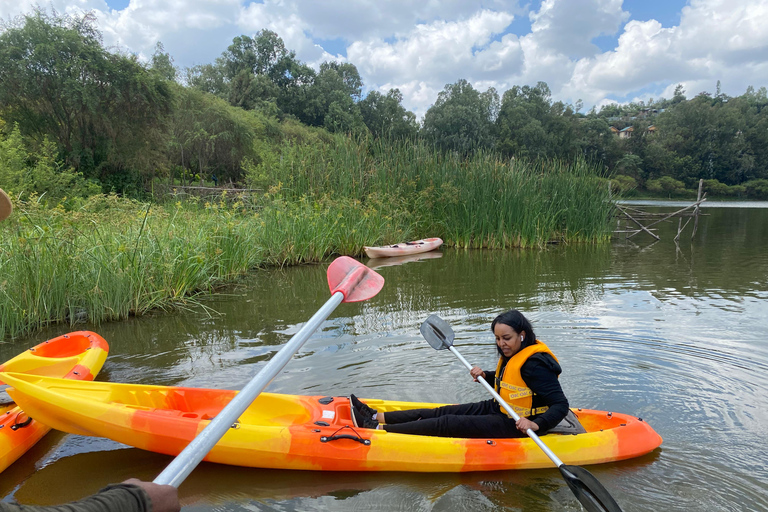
(666, 184)
(25, 172)
(623, 183)
(757, 189)
(715, 188)
(737, 190)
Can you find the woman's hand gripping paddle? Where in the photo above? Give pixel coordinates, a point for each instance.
(349, 281)
(587, 489)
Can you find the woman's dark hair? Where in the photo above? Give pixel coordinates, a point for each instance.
(519, 323)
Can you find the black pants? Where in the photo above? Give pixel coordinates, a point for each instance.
(474, 420)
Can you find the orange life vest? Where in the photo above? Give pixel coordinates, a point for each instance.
(511, 386)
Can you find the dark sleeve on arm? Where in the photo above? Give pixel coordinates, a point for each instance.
(540, 372)
(490, 377)
(114, 498)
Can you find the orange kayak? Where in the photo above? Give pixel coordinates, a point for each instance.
(306, 432)
(77, 355)
(404, 249)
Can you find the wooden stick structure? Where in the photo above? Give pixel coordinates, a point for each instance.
(644, 221)
(214, 190)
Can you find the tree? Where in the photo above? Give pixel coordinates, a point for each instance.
(462, 119)
(261, 55)
(679, 94)
(330, 100)
(597, 141)
(162, 63)
(208, 78)
(257, 73)
(209, 136)
(385, 116)
(250, 91)
(106, 113)
(529, 125)
(632, 166)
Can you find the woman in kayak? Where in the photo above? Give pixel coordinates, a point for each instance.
(525, 377)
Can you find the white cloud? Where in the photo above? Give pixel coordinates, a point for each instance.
(645, 54)
(13, 8)
(420, 47)
(366, 19)
(568, 27)
(722, 29)
(285, 19)
(441, 52)
(716, 40)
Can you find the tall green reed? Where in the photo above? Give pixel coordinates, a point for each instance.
(115, 258)
(481, 201)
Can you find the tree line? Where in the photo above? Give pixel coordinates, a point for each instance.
(75, 116)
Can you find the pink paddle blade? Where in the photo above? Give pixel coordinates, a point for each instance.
(356, 281)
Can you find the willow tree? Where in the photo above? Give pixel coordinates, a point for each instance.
(106, 112)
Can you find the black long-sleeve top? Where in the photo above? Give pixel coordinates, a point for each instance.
(540, 373)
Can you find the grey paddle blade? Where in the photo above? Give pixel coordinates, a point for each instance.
(437, 332)
(588, 490)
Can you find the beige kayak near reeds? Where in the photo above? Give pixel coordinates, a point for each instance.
(404, 249)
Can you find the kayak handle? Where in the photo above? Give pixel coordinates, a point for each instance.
(328, 439)
(16, 425)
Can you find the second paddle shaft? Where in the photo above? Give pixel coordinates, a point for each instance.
(190, 457)
(509, 410)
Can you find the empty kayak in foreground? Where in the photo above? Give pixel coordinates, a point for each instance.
(306, 432)
(404, 249)
(77, 355)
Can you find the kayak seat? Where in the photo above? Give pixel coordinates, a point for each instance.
(276, 410)
(569, 425)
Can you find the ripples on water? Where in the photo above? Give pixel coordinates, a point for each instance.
(673, 334)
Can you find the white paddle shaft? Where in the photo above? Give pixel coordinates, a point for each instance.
(509, 410)
(180, 468)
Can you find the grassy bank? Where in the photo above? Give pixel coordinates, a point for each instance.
(479, 201)
(110, 258)
(114, 258)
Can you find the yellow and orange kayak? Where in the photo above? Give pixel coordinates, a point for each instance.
(306, 432)
(77, 356)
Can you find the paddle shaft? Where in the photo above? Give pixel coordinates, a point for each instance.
(178, 470)
(509, 410)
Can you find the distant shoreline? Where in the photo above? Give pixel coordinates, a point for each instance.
(706, 204)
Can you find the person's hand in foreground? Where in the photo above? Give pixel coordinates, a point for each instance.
(164, 498)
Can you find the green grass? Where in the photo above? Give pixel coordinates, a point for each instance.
(111, 258)
(114, 258)
(471, 203)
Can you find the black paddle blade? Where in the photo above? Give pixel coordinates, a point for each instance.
(437, 332)
(588, 490)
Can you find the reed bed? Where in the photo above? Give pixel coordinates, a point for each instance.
(111, 258)
(114, 258)
(481, 201)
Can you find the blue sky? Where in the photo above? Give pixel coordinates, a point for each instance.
(599, 51)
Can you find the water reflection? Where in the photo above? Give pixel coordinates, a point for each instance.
(214, 486)
(671, 333)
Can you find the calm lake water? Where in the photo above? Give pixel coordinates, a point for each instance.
(673, 333)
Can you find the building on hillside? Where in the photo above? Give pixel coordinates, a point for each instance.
(627, 132)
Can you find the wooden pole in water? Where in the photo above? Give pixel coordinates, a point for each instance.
(696, 210)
